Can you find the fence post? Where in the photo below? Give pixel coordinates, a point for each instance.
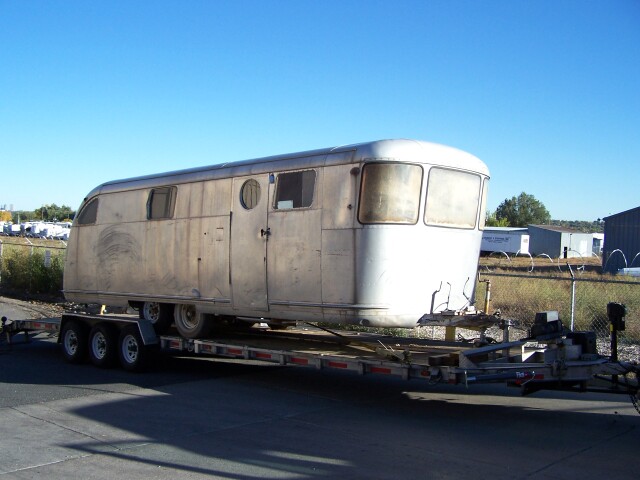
(573, 294)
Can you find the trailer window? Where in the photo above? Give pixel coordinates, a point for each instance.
(295, 190)
(483, 204)
(89, 213)
(452, 198)
(390, 193)
(161, 203)
(250, 194)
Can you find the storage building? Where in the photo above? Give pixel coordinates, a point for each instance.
(559, 242)
(621, 241)
(505, 239)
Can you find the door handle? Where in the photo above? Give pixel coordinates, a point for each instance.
(265, 233)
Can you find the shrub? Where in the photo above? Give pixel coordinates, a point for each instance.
(24, 269)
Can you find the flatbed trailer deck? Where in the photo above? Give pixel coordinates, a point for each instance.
(556, 364)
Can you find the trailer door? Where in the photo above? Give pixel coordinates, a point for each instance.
(249, 234)
(295, 241)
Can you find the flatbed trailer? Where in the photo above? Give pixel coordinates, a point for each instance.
(553, 362)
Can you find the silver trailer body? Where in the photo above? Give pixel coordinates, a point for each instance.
(377, 234)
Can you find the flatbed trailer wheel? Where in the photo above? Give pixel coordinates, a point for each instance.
(102, 345)
(159, 314)
(74, 340)
(132, 352)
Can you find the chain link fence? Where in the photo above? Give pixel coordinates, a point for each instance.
(581, 301)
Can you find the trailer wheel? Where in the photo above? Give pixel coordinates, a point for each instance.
(159, 314)
(132, 352)
(102, 345)
(74, 342)
(190, 323)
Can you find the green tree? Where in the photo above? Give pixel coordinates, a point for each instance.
(492, 221)
(53, 212)
(523, 210)
(46, 213)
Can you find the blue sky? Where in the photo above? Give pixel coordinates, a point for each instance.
(547, 93)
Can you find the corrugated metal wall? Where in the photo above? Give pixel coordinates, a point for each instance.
(544, 241)
(558, 243)
(621, 232)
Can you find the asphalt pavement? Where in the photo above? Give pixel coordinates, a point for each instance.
(208, 418)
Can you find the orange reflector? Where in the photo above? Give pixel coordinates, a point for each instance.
(337, 365)
(385, 371)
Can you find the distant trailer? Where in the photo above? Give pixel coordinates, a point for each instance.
(504, 239)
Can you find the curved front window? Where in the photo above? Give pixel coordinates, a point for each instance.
(390, 193)
(89, 213)
(453, 198)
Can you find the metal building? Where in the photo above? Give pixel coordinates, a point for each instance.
(559, 242)
(621, 241)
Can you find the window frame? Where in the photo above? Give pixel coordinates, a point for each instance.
(85, 210)
(275, 204)
(253, 183)
(478, 201)
(362, 186)
(169, 206)
(484, 193)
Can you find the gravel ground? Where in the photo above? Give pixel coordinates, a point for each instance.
(37, 308)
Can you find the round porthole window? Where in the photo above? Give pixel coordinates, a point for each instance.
(250, 194)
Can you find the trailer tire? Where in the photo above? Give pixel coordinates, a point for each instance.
(102, 345)
(159, 314)
(132, 353)
(191, 323)
(74, 340)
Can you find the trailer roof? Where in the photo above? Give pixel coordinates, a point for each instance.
(410, 150)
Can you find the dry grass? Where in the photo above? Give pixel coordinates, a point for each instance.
(520, 295)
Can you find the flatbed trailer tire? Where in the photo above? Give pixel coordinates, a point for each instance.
(74, 338)
(103, 345)
(132, 353)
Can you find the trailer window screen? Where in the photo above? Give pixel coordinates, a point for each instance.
(390, 193)
(295, 190)
(453, 198)
(161, 203)
(89, 213)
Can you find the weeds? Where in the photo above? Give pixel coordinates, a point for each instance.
(24, 269)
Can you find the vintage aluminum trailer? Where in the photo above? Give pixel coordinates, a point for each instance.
(377, 234)
(552, 358)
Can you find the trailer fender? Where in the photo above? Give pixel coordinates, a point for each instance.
(147, 332)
